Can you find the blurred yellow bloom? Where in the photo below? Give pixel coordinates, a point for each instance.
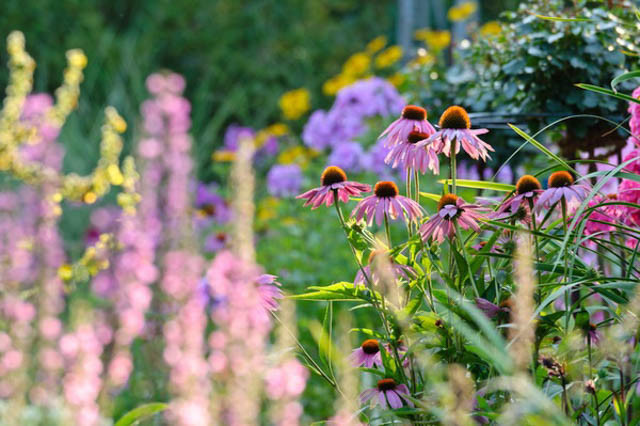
(423, 58)
(334, 84)
(356, 65)
(115, 175)
(89, 197)
(389, 56)
(491, 28)
(462, 12)
(224, 156)
(267, 209)
(277, 129)
(397, 79)
(295, 103)
(436, 40)
(376, 44)
(289, 221)
(65, 272)
(299, 155)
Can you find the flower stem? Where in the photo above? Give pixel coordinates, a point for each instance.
(534, 227)
(387, 230)
(452, 166)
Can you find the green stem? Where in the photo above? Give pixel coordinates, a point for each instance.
(452, 166)
(387, 230)
(535, 242)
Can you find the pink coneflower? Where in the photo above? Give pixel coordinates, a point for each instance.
(527, 188)
(412, 118)
(562, 186)
(334, 183)
(492, 310)
(410, 156)
(269, 290)
(593, 335)
(455, 125)
(385, 201)
(452, 210)
(367, 355)
(389, 393)
(398, 270)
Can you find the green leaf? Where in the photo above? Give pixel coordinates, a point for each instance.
(624, 77)
(478, 184)
(542, 148)
(559, 19)
(140, 413)
(433, 197)
(608, 92)
(343, 291)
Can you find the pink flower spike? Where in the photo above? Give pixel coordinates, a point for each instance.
(412, 118)
(334, 183)
(386, 201)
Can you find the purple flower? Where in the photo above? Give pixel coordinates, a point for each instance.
(367, 355)
(408, 155)
(413, 118)
(528, 189)
(455, 126)
(561, 186)
(452, 210)
(348, 156)
(367, 98)
(215, 242)
(389, 394)
(234, 133)
(211, 207)
(284, 180)
(386, 202)
(269, 290)
(334, 185)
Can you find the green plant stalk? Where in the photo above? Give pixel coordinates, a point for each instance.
(387, 230)
(537, 247)
(466, 259)
(452, 166)
(567, 302)
(373, 297)
(409, 195)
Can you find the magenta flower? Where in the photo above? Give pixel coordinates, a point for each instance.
(269, 290)
(412, 118)
(334, 183)
(492, 310)
(456, 126)
(398, 271)
(593, 334)
(561, 186)
(385, 201)
(410, 156)
(389, 393)
(452, 210)
(367, 355)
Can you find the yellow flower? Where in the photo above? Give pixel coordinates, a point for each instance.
(376, 44)
(295, 103)
(299, 155)
(65, 272)
(267, 209)
(356, 65)
(462, 12)
(436, 40)
(334, 84)
(388, 57)
(423, 58)
(224, 156)
(277, 129)
(491, 28)
(397, 79)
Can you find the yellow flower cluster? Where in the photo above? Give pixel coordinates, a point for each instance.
(491, 28)
(435, 40)
(359, 65)
(274, 130)
(129, 198)
(295, 103)
(94, 260)
(388, 57)
(462, 12)
(13, 133)
(299, 155)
